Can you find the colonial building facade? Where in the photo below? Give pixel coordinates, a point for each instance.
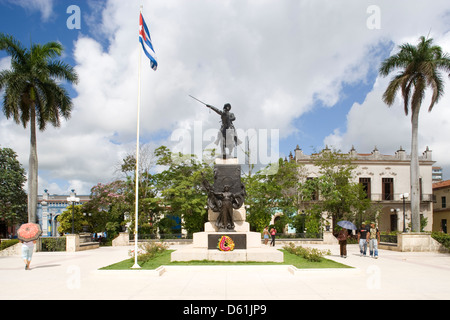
(51, 206)
(386, 179)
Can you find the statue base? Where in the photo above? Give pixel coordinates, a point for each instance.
(248, 247)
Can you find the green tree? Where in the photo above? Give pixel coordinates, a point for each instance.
(107, 207)
(65, 220)
(420, 68)
(333, 190)
(150, 204)
(270, 190)
(13, 199)
(33, 95)
(180, 186)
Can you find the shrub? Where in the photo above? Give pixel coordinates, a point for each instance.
(442, 238)
(53, 244)
(310, 254)
(148, 250)
(8, 243)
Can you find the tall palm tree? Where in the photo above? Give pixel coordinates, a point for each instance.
(420, 68)
(33, 95)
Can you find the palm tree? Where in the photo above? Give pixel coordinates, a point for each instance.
(420, 68)
(33, 95)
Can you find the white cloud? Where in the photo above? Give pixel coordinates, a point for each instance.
(374, 123)
(5, 63)
(44, 6)
(273, 60)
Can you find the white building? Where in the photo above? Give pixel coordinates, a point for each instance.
(386, 178)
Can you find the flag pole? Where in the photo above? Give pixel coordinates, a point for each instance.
(136, 265)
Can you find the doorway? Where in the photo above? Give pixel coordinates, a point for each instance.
(393, 223)
(444, 225)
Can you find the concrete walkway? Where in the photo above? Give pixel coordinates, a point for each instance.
(395, 275)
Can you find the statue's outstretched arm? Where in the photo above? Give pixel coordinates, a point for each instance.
(214, 109)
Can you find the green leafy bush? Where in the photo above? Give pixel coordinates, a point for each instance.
(53, 244)
(310, 254)
(442, 238)
(148, 250)
(8, 243)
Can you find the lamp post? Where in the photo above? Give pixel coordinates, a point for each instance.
(72, 199)
(404, 196)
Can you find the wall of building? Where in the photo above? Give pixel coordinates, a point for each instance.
(377, 166)
(441, 209)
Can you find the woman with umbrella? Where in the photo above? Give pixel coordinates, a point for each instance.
(28, 233)
(343, 236)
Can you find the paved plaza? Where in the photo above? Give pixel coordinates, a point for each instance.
(61, 275)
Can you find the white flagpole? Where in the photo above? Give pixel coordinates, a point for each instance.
(136, 265)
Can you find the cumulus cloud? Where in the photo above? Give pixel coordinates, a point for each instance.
(373, 123)
(44, 6)
(272, 60)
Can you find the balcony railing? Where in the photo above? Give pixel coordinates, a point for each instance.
(397, 197)
(386, 197)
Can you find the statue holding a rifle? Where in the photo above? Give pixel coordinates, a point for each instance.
(227, 136)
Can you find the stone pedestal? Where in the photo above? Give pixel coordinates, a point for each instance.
(80, 242)
(248, 246)
(72, 242)
(417, 242)
(122, 240)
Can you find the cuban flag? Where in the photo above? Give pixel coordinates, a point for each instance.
(146, 41)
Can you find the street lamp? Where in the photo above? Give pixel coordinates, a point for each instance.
(72, 199)
(404, 196)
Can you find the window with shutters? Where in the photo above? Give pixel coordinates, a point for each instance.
(388, 188)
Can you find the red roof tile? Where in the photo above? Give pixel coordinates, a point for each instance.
(442, 184)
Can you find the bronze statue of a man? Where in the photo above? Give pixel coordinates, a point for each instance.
(227, 136)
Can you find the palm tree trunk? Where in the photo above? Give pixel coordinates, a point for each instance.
(415, 196)
(32, 170)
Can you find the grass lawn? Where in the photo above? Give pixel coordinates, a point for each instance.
(164, 259)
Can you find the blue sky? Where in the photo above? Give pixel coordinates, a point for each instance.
(307, 69)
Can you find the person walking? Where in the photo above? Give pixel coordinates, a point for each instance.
(266, 235)
(273, 232)
(363, 239)
(342, 237)
(374, 239)
(27, 252)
